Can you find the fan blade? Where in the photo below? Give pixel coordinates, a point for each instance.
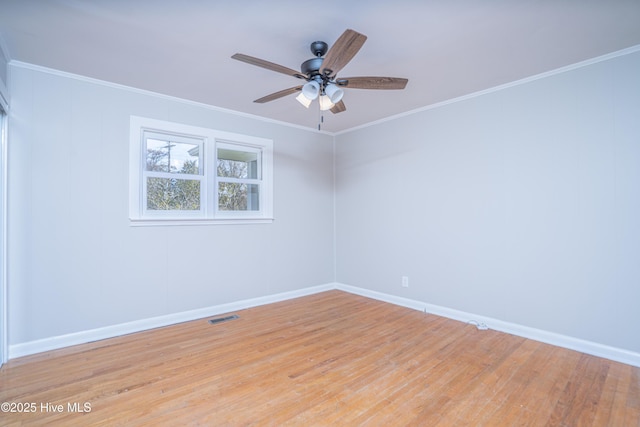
(342, 51)
(372, 82)
(268, 65)
(338, 108)
(278, 94)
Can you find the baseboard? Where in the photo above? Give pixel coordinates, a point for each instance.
(83, 337)
(612, 353)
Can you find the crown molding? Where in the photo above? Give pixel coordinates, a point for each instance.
(65, 74)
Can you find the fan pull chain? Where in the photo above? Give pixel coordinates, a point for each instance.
(320, 118)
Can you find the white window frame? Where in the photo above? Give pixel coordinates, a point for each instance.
(210, 140)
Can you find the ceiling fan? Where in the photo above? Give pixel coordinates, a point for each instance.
(321, 74)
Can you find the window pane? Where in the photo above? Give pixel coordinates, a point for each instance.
(237, 164)
(174, 157)
(170, 194)
(234, 196)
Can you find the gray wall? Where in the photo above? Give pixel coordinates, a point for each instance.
(522, 204)
(76, 264)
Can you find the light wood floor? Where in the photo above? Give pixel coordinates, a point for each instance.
(331, 359)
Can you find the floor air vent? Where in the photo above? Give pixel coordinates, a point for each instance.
(223, 319)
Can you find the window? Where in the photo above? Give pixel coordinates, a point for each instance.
(172, 175)
(238, 173)
(184, 175)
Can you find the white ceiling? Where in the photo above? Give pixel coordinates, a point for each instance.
(446, 48)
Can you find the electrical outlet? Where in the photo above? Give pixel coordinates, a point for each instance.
(405, 282)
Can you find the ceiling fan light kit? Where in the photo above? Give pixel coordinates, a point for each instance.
(334, 93)
(306, 102)
(311, 90)
(325, 103)
(330, 95)
(320, 73)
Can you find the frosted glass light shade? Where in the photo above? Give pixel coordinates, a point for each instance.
(311, 90)
(334, 93)
(303, 100)
(325, 103)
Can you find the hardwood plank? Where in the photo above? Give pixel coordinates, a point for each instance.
(327, 359)
(611, 404)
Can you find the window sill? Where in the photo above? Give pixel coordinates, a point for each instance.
(156, 222)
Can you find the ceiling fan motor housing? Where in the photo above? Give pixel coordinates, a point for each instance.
(311, 67)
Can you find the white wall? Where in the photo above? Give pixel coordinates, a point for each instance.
(522, 204)
(76, 264)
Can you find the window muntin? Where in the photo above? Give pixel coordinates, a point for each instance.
(188, 175)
